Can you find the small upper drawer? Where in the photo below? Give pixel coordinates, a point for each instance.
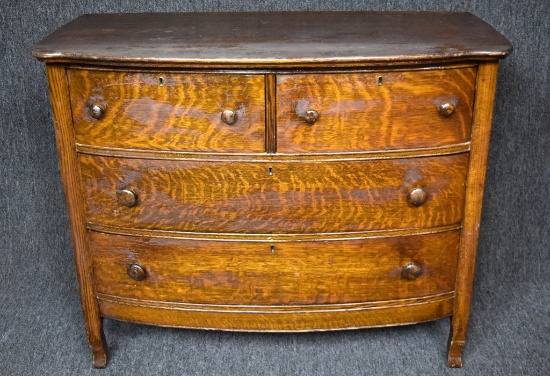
(166, 111)
(374, 111)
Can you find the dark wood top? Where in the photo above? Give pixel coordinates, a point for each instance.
(276, 39)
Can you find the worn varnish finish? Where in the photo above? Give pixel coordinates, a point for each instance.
(274, 197)
(273, 39)
(166, 111)
(373, 111)
(290, 273)
(328, 176)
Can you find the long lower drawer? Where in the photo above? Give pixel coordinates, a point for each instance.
(275, 274)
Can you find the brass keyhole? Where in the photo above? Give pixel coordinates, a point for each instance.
(270, 171)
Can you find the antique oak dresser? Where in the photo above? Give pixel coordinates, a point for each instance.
(277, 172)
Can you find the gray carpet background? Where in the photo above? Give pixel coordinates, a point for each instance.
(41, 324)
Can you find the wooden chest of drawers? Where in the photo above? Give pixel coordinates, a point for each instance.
(274, 172)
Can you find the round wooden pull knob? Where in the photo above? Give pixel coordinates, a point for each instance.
(418, 196)
(96, 111)
(446, 109)
(126, 197)
(412, 271)
(311, 116)
(136, 272)
(229, 117)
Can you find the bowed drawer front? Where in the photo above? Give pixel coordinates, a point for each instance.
(168, 111)
(274, 197)
(312, 171)
(293, 273)
(374, 111)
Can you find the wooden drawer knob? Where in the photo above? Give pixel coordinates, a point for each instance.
(126, 197)
(311, 116)
(418, 196)
(446, 109)
(96, 111)
(229, 117)
(136, 272)
(412, 271)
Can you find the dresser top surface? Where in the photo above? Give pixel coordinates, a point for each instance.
(273, 39)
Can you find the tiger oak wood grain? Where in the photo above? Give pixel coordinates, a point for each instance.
(201, 203)
(282, 320)
(183, 114)
(293, 273)
(300, 197)
(358, 114)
